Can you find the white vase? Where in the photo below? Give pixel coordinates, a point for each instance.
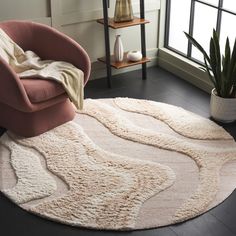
(118, 49)
(134, 56)
(222, 109)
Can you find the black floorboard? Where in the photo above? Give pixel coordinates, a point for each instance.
(160, 86)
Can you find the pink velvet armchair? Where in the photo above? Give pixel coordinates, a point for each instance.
(29, 107)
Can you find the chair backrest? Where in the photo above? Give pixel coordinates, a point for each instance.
(20, 32)
(47, 43)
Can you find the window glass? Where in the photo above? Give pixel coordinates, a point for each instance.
(213, 2)
(230, 5)
(227, 29)
(202, 29)
(179, 22)
(205, 19)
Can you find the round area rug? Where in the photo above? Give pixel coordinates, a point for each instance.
(122, 164)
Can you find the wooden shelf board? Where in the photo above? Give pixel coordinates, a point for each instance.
(125, 62)
(114, 25)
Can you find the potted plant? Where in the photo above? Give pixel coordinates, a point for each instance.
(221, 70)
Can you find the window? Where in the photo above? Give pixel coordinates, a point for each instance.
(198, 18)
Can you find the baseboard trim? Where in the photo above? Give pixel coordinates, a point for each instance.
(184, 68)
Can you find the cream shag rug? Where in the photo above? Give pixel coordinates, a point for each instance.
(122, 164)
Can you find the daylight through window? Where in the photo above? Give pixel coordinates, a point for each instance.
(198, 18)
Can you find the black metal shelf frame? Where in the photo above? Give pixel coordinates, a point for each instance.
(106, 5)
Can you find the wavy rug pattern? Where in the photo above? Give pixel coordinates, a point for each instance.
(122, 164)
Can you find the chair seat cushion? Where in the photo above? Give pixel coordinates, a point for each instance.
(40, 90)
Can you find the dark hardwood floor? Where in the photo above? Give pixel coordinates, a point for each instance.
(160, 86)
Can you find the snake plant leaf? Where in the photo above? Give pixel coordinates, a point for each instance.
(217, 54)
(198, 46)
(233, 61)
(221, 69)
(203, 68)
(222, 87)
(214, 64)
(213, 59)
(217, 45)
(234, 75)
(207, 69)
(225, 63)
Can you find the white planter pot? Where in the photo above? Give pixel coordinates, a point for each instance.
(222, 109)
(118, 49)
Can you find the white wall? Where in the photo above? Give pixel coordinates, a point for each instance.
(37, 10)
(77, 18)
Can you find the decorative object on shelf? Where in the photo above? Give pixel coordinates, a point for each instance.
(221, 70)
(110, 59)
(123, 11)
(118, 49)
(134, 56)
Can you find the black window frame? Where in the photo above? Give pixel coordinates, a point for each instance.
(219, 8)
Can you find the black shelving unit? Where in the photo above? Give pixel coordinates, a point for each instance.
(109, 59)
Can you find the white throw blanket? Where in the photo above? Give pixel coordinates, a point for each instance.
(29, 65)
